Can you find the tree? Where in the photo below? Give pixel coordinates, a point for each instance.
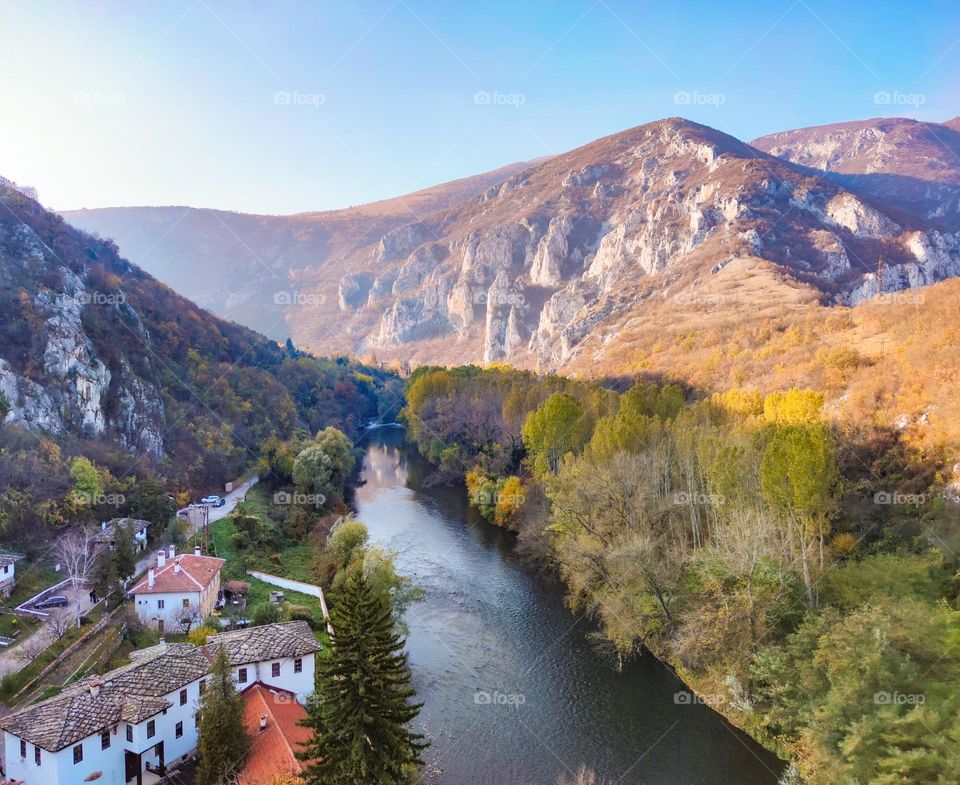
(223, 738)
(75, 551)
(150, 501)
(266, 613)
(799, 479)
(87, 483)
(323, 468)
(557, 427)
(360, 715)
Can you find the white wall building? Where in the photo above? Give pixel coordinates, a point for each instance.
(8, 573)
(114, 728)
(177, 588)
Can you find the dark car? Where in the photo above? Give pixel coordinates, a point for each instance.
(56, 601)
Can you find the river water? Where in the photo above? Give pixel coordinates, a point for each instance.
(514, 692)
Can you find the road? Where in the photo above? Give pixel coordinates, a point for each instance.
(231, 500)
(16, 657)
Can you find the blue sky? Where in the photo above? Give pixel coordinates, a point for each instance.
(280, 107)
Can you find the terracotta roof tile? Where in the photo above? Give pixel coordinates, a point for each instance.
(272, 750)
(196, 573)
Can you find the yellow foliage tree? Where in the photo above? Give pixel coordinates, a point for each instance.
(793, 407)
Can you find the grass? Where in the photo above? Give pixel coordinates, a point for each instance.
(292, 562)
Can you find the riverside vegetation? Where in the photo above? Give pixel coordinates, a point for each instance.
(802, 578)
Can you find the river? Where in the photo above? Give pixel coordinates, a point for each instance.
(514, 692)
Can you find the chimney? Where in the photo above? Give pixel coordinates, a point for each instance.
(196, 550)
(103, 525)
(161, 559)
(176, 567)
(263, 722)
(150, 578)
(94, 689)
(171, 551)
(162, 644)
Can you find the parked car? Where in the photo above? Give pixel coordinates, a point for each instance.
(56, 601)
(213, 501)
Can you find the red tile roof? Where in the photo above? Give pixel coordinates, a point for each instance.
(196, 573)
(273, 750)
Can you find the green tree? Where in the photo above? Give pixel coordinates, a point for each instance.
(800, 480)
(362, 709)
(87, 483)
(150, 501)
(223, 738)
(557, 427)
(323, 468)
(4, 407)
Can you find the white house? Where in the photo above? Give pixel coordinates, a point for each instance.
(180, 588)
(107, 536)
(8, 571)
(280, 655)
(124, 726)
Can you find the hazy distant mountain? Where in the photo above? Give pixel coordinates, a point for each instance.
(248, 267)
(548, 266)
(910, 164)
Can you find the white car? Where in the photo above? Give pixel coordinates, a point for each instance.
(213, 501)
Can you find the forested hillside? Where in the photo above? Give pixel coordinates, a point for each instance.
(802, 578)
(108, 377)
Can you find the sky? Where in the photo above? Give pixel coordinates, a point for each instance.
(281, 107)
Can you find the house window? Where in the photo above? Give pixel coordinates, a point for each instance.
(298, 665)
(179, 729)
(275, 670)
(160, 604)
(186, 603)
(242, 675)
(129, 732)
(36, 755)
(159, 625)
(78, 753)
(183, 697)
(151, 729)
(23, 749)
(6, 568)
(104, 739)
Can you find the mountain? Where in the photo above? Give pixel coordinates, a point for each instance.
(249, 267)
(99, 358)
(908, 163)
(548, 267)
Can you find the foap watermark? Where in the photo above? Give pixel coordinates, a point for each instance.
(905, 297)
(696, 98)
(95, 98)
(899, 698)
(488, 498)
(101, 298)
(513, 699)
(286, 498)
(499, 299)
(496, 98)
(896, 98)
(691, 497)
(897, 498)
(298, 298)
(102, 499)
(689, 698)
(704, 298)
(298, 98)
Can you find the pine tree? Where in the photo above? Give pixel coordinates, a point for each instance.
(223, 738)
(362, 707)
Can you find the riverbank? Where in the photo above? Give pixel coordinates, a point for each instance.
(515, 687)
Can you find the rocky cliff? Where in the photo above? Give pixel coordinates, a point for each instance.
(573, 247)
